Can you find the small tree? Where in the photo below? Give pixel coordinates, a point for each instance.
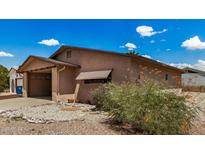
(132, 52)
(4, 81)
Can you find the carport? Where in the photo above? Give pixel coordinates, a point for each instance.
(42, 77)
(39, 84)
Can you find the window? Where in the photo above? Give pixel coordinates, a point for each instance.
(139, 77)
(68, 54)
(95, 81)
(166, 76)
(90, 81)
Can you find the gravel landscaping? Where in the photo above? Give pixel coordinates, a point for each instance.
(42, 116)
(55, 113)
(196, 99)
(13, 127)
(38, 116)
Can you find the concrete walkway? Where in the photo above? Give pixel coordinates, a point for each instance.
(17, 103)
(8, 95)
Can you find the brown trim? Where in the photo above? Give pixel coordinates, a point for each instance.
(39, 69)
(63, 48)
(53, 61)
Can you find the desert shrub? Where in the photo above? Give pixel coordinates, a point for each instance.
(147, 107)
(99, 96)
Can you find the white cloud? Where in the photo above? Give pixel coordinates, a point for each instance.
(5, 54)
(181, 65)
(148, 31)
(147, 56)
(129, 46)
(49, 42)
(193, 43)
(15, 67)
(200, 65)
(152, 41)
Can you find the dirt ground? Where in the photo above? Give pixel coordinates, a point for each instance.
(95, 124)
(11, 127)
(55, 120)
(17, 103)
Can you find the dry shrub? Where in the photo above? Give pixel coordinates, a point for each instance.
(146, 107)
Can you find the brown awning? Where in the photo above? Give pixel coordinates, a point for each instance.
(94, 75)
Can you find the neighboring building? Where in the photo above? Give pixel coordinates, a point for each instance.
(193, 77)
(15, 81)
(58, 75)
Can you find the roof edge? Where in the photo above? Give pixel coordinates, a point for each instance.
(58, 62)
(116, 53)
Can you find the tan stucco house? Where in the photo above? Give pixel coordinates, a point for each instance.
(69, 67)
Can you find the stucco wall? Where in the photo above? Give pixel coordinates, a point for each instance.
(142, 71)
(37, 64)
(25, 84)
(192, 79)
(67, 81)
(124, 69)
(54, 83)
(90, 61)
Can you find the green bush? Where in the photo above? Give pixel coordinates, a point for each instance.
(98, 96)
(146, 107)
(4, 80)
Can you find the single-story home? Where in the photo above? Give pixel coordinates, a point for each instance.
(72, 69)
(15, 81)
(193, 77)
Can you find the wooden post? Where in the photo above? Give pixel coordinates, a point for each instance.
(25, 84)
(54, 84)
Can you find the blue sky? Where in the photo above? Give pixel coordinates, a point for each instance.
(176, 42)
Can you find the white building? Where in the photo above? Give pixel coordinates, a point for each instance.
(193, 77)
(15, 81)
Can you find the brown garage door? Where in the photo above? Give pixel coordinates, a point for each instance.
(39, 84)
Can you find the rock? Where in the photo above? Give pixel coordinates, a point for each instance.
(53, 113)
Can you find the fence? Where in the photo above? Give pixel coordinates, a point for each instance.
(193, 88)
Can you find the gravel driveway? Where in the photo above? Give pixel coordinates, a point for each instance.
(55, 113)
(21, 102)
(40, 116)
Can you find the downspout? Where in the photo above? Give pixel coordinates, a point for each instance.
(62, 69)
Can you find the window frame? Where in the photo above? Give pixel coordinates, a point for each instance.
(68, 53)
(166, 77)
(98, 81)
